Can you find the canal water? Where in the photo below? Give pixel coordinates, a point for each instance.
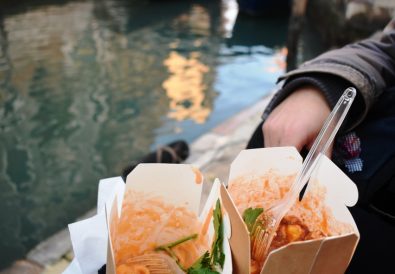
(88, 86)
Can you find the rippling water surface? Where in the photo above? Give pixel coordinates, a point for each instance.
(87, 86)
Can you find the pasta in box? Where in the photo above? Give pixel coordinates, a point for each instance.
(159, 227)
(152, 225)
(317, 235)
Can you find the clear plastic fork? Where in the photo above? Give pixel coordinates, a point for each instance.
(266, 225)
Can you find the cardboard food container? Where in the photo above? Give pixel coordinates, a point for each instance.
(178, 186)
(330, 254)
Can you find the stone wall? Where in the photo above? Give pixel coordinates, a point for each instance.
(329, 24)
(342, 21)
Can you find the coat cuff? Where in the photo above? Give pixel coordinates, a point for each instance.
(331, 86)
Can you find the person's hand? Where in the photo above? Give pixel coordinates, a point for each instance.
(297, 120)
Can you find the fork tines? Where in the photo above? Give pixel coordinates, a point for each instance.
(259, 242)
(155, 264)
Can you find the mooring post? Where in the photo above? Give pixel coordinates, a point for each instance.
(295, 26)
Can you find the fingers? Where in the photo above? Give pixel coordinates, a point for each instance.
(286, 135)
(290, 137)
(297, 120)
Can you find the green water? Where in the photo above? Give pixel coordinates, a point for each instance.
(87, 86)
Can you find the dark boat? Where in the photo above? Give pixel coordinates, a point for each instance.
(264, 7)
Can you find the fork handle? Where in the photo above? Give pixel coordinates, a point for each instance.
(321, 144)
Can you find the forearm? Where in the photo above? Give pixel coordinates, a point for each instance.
(368, 65)
(331, 88)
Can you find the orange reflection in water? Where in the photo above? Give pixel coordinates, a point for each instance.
(279, 61)
(185, 87)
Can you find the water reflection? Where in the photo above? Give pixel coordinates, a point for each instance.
(87, 86)
(271, 31)
(185, 87)
(279, 58)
